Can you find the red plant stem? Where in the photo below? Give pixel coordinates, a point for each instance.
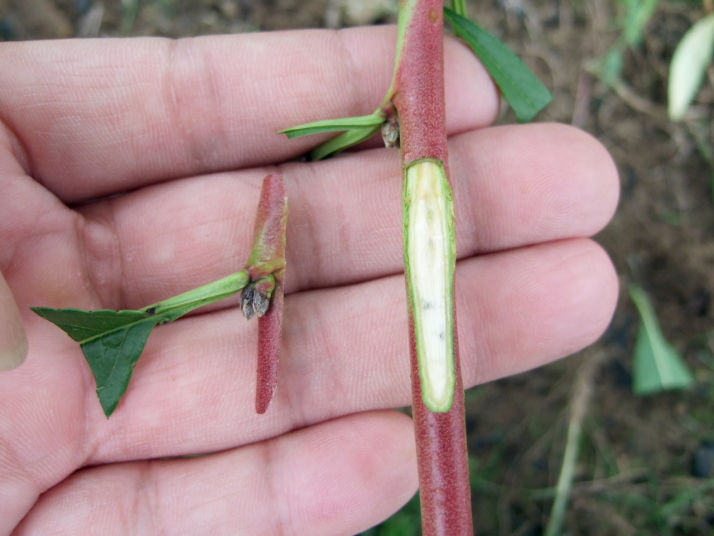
(442, 457)
(268, 258)
(269, 337)
(442, 454)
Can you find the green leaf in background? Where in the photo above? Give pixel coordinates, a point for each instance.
(658, 366)
(334, 125)
(639, 13)
(611, 65)
(459, 7)
(689, 64)
(520, 87)
(344, 141)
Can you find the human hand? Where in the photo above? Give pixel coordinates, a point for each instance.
(185, 131)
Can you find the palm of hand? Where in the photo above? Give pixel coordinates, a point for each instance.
(161, 123)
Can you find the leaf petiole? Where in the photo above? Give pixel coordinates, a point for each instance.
(177, 306)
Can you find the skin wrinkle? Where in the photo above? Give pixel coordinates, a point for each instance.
(179, 53)
(467, 336)
(21, 470)
(216, 100)
(284, 392)
(151, 490)
(175, 51)
(89, 276)
(279, 507)
(17, 148)
(287, 390)
(211, 100)
(169, 92)
(335, 386)
(352, 74)
(310, 227)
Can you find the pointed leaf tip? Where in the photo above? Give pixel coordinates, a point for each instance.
(520, 87)
(334, 125)
(112, 359)
(657, 364)
(689, 64)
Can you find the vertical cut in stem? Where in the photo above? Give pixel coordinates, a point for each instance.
(430, 262)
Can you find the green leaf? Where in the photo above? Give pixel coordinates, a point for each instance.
(639, 13)
(85, 325)
(459, 7)
(344, 141)
(689, 64)
(112, 358)
(611, 66)
(658, 366)
(334, 125)
(520, 87)
(112, 342)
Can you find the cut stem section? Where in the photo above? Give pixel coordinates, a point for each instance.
(431, 261)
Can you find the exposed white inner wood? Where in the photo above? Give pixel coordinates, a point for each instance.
(431, 256)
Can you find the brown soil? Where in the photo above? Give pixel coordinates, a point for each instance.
(646, 464)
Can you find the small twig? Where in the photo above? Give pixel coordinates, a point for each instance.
(582, 393)
(581, 110)
(635, 101)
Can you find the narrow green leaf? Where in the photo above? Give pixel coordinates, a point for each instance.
(334, 125)
(344, 141)
(459, 7)
(689, 64)
(520, 87)
(639, 13)
(657, 364)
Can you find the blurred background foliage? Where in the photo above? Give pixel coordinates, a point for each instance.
(568, 448)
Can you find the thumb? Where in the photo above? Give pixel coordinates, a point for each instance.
(13, 341)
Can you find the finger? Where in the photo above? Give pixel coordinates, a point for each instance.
(13, 341)
(345, 350)
(336, 478)
(101, 117)
(514, 186)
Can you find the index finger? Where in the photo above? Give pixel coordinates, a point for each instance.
(101, 117)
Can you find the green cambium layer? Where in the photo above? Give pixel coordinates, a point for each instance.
(430, 253)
